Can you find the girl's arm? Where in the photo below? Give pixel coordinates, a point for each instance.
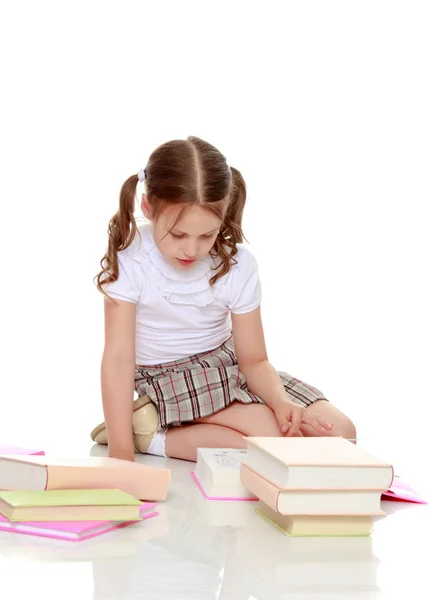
(262, 379)
(117, 376)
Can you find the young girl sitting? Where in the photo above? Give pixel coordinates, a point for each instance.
(182, 319)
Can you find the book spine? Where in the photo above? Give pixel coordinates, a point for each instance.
(265, 491)
(151, 485)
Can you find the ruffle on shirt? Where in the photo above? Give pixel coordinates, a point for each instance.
(186, 286)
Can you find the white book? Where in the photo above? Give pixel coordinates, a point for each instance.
(311, 502)
(317, 464)
(217, 474)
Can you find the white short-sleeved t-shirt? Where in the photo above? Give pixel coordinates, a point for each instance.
(178, 313)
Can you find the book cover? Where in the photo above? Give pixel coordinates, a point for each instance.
(247, 498)
(317, 463)
(401, 491)
(311, 502)
(316, 451)
(317, 525)
(5, 449)
(74, 530)
(69, 505)
(18, 472)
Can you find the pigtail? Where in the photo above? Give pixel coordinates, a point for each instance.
(122, 229)
(231, 234)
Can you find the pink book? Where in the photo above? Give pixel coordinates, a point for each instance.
(74, 531)
(245, 498)
(401, 491)
(18, 450)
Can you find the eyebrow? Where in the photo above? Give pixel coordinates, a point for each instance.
(184, 233)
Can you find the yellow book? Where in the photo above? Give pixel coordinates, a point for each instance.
(69, 505)
(317, 525)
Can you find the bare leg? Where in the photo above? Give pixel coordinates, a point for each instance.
(224, 429)
(342, 425)
(248, 419)
(227, 428)
(182, 442)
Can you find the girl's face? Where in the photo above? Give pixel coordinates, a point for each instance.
(189, 239)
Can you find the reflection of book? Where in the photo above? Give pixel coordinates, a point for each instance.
(317, 463)
(155, 573)
(41, 549)
(18, 450)
(72, 530)
(50, 472)
(317, 565)
(186, 530)
(69, 505)
(317, 525)
(217, 474)
(217, 513)
(123, 542)
(311, 502)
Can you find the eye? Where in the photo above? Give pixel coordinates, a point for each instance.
(177, 236)
(209, 235)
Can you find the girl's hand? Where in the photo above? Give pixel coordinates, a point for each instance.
(122, 454)
(290, 417)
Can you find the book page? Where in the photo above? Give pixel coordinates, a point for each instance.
(228, 459)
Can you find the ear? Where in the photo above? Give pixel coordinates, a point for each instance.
(145, 207)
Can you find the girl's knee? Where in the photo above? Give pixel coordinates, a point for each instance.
(342, 425)
(262, 421)
(345, 428)
(255, 420)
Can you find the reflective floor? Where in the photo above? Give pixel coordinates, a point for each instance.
(199, 550)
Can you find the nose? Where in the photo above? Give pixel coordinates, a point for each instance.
(191, 248)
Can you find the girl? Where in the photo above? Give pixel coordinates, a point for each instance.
(175, 290)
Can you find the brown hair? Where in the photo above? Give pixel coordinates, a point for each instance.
(181, 172)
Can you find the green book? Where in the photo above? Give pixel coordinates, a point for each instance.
(69, 505)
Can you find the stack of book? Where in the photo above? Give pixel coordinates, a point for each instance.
(324, 486)
(76, 498)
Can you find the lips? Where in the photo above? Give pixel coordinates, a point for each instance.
(185, 262)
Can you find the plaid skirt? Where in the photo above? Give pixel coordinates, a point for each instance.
(205, 383)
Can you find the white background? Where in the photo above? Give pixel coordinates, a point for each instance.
(321, 105)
